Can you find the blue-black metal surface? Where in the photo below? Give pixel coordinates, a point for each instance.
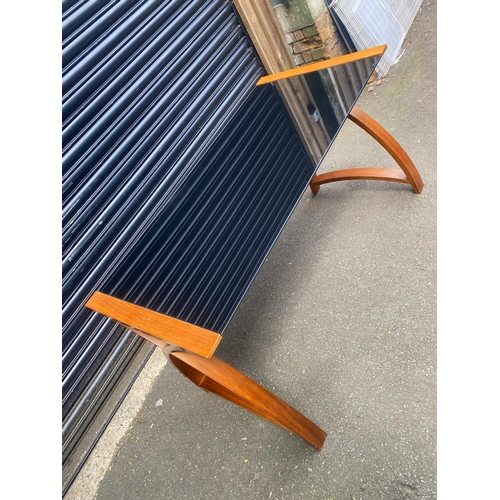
(198, 259)
(163, 129)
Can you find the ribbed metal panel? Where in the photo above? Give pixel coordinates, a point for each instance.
(165, 139)
(198, 259)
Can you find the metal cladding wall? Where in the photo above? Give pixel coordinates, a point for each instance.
(202, 253)
(161, 120)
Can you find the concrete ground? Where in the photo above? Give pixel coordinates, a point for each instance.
(340, 323)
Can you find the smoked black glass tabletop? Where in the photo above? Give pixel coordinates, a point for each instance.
(200, 255)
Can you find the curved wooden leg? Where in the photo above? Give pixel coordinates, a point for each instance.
(214, 375)
(409, 174)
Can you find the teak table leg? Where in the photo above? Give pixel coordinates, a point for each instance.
(201, 367)
(214, 375)
(408, 175)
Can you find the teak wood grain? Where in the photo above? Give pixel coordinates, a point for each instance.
(407, 175)
(351, 174)
(140, 319)
(329, 63)
(218, 377)
(387, 141)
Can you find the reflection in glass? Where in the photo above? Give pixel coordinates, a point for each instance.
(337, 89)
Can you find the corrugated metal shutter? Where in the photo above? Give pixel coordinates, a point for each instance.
(201, 254)
(152, 90)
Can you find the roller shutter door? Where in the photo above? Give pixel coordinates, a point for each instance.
(151, 90)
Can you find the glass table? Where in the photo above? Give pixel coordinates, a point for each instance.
(335, 86)
(221, 224)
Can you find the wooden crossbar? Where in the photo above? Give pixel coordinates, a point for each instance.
(174, 331)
